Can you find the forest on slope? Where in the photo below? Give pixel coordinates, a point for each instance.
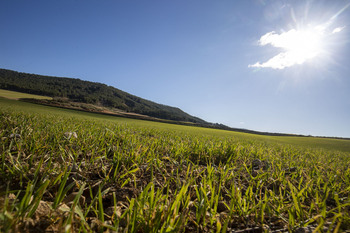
(77, 90)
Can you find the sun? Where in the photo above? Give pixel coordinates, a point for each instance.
(298, 45)
(303, 45)
(310, 38)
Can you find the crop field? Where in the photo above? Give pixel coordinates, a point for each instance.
(18, 95)
(69, 171)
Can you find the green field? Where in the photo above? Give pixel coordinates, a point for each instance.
(71, 171)
(19, 95)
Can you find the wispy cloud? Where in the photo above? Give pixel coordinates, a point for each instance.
(280, 61)
(339, 29)
(298, 45)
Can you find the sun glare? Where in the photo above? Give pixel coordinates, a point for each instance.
(298, 45)
(304, 42)
(303, 45)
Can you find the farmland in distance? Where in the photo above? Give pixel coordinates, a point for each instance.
(18, 95)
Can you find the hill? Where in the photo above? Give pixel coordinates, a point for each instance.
(97, 97)
(76, 90)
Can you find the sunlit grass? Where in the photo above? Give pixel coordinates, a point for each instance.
(128, 175)
(19, 95)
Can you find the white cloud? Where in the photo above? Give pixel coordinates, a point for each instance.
(283, 40)
(281, 61)
(338, 29)
(297, 46)
(300, 44)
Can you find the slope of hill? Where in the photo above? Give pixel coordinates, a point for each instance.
(97, 97)
(77, 90)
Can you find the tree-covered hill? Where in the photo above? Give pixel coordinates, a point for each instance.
(77, 90)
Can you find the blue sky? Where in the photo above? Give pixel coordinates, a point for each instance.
(276, 66)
